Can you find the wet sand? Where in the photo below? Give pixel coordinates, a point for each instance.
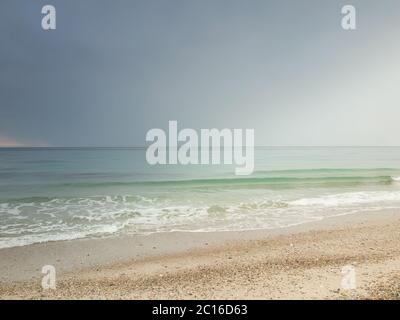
(300, 262)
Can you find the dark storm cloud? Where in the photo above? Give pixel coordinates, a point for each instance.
(114, 69)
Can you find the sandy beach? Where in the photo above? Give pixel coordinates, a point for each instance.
(300, 262)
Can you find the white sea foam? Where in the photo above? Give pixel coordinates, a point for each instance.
(9, 242)
(350, 198)
(72, 218)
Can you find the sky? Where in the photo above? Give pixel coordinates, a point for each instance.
(112, 70)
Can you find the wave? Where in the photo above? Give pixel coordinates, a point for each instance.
(47, 219)
(349, 199)
(268, 199)
(326, 180)
(323, 177)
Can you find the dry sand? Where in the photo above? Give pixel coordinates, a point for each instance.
(301, 262)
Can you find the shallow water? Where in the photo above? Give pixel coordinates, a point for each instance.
(56, 194)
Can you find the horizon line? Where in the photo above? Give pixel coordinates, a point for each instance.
(142, 147)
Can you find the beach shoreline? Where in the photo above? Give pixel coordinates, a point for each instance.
(302, 261)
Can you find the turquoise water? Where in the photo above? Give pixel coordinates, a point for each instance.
(58, 194)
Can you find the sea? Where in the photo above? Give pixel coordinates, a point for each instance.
(50, 194)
